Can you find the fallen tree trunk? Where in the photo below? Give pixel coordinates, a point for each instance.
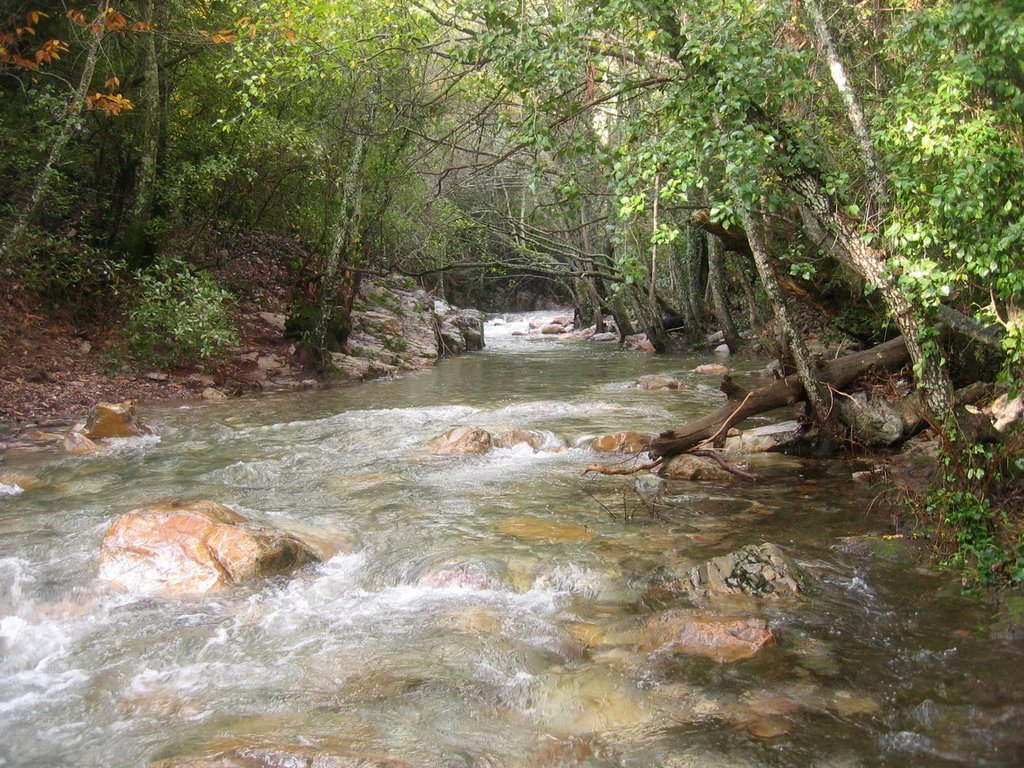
(742, 404)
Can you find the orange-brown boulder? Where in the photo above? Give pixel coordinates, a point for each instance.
(193, 549)
(114, 420)
(620, 442)
(721, 639)
(462, 441)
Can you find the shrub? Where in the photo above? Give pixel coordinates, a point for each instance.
(179, 317)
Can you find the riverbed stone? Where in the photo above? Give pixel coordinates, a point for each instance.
(538, 440)
(278, 756)
(193, 549)
(552, 329)
(721, 639)
(620, 442)
(711, 369)
(656, 381)
(211, 393)
(114, 420)
(21, 480)
(761, 570)
(541, 529)
(686, 466)
(462, 441)
(77, 443)
(771, 437)
(606, 336)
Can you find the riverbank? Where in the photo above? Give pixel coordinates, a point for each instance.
(53, 369)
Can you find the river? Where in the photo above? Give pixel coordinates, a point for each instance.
(459, 627)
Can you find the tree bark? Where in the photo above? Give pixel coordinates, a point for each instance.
(137, 241)
(73, 110)
(816, 394)
(929, 372)
(742, 404)
(877, 195)
(716, 277)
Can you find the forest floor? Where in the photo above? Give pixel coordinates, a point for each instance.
(52, 369)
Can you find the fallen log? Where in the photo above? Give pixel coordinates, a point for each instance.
(742, 404)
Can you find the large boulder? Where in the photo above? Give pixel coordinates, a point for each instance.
(756, 570)
(114, 420)
(193, 549)
(872, 422)
(721, 639)
(462, 441)
(620, 442)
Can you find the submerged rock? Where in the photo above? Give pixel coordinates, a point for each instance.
(686, 466)
(538, 440)
(711, 369)
(541, 529)
(77, 443)
(657, 381)
(114, 420)
(721, 639)
(620, 442)
(278, 756)
(462, 441)
(756, 570)
(193, 549)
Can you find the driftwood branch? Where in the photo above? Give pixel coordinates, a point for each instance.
(838, 373)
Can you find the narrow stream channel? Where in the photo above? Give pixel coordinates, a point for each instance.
(459, 627)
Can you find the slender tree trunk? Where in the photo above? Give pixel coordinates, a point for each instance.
(692, 269)
(877, 196)
(817, 394)
(753, 313)
(137, 242)
(343, 245)
(73, 110)
(716, 277)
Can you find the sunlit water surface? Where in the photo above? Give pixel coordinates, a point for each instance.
(527, 655)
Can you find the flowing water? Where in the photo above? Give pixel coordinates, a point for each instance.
(484, 610)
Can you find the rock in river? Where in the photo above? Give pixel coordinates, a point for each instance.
(114, 420)
(620, 442)
(193, 549)
(756, 570)
(721, 639)
(462, 441)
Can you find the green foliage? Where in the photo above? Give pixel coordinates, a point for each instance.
(975, 531)
(179, 317)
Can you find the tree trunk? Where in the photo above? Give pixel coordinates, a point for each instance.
(719, 290)
(137, 241)
(742, 404)
(73, 110)
(692, 270)
(929, 372)
(816, 394)
(753, 313)
(877, 194)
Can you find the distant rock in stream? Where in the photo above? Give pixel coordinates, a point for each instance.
(398, 327)
(194, 549)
